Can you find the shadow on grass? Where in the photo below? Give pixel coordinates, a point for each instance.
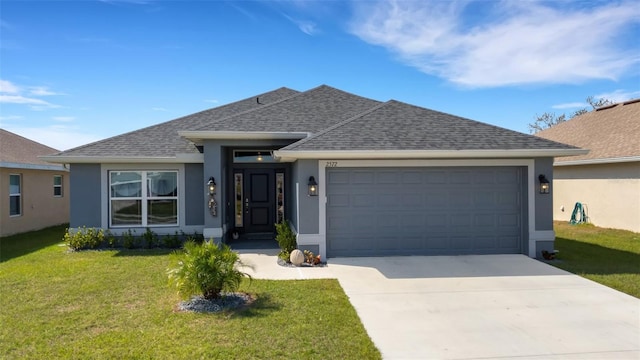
(262, 305)
(22, 244)
(142, 252)
(581, 257)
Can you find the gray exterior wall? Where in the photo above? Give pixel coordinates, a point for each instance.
(194, 212)
(544, 202)
(293, 197)
(85, 195)
(309, 217)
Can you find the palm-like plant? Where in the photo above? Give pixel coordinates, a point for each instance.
(206, 269)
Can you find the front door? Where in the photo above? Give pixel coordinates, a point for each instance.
(259, 200)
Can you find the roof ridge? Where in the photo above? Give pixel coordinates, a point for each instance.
(335, 126)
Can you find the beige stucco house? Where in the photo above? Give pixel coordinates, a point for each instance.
(34, 194)
(607, 179)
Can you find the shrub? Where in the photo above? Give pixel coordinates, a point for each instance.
(84, 238)
(150, 239)
(286, 239)
(171, 241)
(206, 269)
(128, 239)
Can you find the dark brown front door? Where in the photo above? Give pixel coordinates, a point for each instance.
(259, 201)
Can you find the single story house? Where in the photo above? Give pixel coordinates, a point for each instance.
(607, 179)
(34, 194)
(352, 175)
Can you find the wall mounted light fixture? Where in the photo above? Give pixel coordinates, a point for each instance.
(544, 184)
(313, 186)
(211, 184)
(213, 205)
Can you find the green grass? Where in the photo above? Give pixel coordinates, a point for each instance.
(117, 304)
(607, 256)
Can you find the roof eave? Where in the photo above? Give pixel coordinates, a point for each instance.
(292, 155)
(178, 159)
(597, 161)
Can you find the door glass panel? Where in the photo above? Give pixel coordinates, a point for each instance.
(258, 156)
(279, 197)
(237, 183)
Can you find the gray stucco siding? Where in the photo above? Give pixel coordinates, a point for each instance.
(308, 219)
(544, 202)
(194, 212)
(85, 195)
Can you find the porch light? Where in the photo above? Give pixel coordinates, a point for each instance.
(211, 184)
(544, 184)
(313, 186)
(259, 158)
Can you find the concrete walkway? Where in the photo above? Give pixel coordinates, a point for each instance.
(476, 307)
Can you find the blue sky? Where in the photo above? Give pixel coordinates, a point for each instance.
(72, 72)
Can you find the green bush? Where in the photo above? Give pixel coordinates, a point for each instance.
(286, 239)
(171, 241)
(150, 239)
(84, 238)
(128, 239)
(206, 269)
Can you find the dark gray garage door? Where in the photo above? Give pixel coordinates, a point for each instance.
(425, 211)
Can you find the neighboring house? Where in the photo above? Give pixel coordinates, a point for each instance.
(607, 179)
(34, 194)
(354, 176)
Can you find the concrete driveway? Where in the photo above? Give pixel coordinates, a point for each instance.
(478, 307)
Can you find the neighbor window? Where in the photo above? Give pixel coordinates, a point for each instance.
(154, 204)
(15, 195)
(57, 185)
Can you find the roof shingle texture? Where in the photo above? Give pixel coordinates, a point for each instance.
(612, 132)
(310, 111)
(17, 149)
(162, 140)
(399, 126)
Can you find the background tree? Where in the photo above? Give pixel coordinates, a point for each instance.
(549, 119)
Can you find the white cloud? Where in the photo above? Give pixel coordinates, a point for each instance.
(572, 105)
(10, 117)
(13, 94)
(307, 27)
(8, 87)
(64, 118)
(619, 95)
(57, 137)
(19, 99)
(517, 42)
(42, 91)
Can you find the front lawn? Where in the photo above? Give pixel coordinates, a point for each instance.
(117, 304)
(607, 256)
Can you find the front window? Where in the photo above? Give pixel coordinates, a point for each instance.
(15, 195)
(155, 204)
(57, 185)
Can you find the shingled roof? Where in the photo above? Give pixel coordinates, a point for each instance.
(611, 134)
(320, 119)
(395, 125)
(18, 151)
(163, 140)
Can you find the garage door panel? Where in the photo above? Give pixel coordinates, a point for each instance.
(412, 177)
(429, 211)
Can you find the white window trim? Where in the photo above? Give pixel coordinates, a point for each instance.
(14, 194)
(58, 186)
(106, 197)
